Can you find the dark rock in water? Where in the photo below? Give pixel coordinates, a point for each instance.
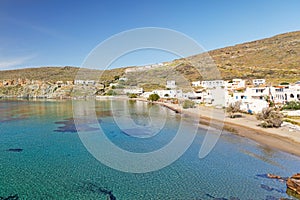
(265, 187)
(94, 188)
(234, 198)
(68, 125)
(222, 198)
(272, 176)
(15, 150)
(271, 198)
(12, 197)
(293, 184)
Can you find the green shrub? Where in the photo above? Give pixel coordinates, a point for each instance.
(132, 95)
(292, 105)
(111, 93)
(188, 104)
(153, 97)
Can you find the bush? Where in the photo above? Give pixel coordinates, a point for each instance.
(132, 95)
(270, 118)
(293, 105)
(284, 83)
(111, 93)
(233, 108)
(188, 104)
(153, 97)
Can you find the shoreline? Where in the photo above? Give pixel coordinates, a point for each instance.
(278, 138)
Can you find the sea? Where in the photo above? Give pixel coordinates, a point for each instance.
(45, 154)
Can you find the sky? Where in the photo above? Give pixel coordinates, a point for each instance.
(35, 33)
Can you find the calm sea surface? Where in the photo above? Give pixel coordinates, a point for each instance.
(42, 157)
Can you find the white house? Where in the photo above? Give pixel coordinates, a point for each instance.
(123, 79)
(237, 83)
(282, 94)
(213, 84)
(169, 93)
(196, 83)
(258, 82)
(171, 84)
(253, 98)
(133, 91)
(84, 82)
(79, 82)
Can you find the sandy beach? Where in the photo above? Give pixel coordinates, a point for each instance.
(283, 138)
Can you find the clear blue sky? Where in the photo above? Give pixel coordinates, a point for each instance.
(63, 32)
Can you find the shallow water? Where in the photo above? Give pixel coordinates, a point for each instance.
(42, 157)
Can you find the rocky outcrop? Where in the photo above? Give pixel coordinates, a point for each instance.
(43, 89)
(293, 185)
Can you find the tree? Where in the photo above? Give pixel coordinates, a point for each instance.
(153, 97)
(233, 108)
(270, 118)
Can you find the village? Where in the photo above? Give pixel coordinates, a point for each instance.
(219, 93)
(254, 95)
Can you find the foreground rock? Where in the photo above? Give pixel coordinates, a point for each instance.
(293, 185)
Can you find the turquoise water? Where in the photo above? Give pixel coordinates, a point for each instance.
(42, 157)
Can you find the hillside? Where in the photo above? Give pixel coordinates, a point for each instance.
(277, 59)
(53, 74)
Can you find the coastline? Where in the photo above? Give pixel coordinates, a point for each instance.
(279, 138)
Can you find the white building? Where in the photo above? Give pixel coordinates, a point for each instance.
(196, 84)
(171, 84)
(123, 79)
(282, 94)
(169, 93)
(84, 82)
(133, 91)
(252, 98)
(236, 84)
(258, 82)
(79, 82)
(213, 84)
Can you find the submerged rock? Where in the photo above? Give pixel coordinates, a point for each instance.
(97, 189)
(293, 185)
(11, 197)
(68, 125)
(15, 150)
